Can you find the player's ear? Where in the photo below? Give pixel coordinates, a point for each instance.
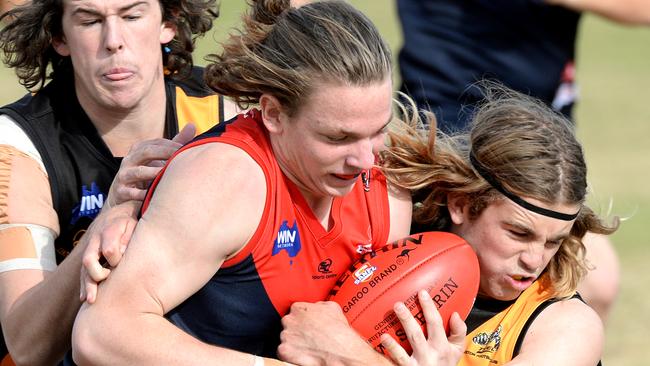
(458, 206)
(60, 46)
(167, 32)
(273, 115)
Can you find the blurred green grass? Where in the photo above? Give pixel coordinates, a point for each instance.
(614, 124)
(613, 118)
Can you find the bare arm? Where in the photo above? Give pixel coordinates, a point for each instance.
(623, 11)
(205, 209)
(571, 329)
(38, 310)
(38, 301)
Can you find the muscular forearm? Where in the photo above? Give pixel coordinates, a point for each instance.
(102, 336)
(623, 11)
(38, 325)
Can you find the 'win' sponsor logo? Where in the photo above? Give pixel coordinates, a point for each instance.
(288, 239)
(91, 203)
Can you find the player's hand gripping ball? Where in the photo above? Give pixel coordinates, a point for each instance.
(442, 263)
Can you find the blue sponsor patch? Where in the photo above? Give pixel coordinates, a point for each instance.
(288, 239)
(91, 203)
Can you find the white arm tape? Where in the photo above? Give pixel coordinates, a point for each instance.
(43, 239)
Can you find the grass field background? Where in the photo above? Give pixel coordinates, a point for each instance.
(613, 118)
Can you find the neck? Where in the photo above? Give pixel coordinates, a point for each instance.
(320, 206)
(121, 128)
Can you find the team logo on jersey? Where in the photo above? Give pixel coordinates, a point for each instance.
(324, 266)
(288, 239)
(364, 273)
(324, 269)
(489, 342)
(91, 203)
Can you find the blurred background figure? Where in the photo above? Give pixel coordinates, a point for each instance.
(529, 46)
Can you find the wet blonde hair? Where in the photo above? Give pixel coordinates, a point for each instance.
(529, 149)
(286, 51)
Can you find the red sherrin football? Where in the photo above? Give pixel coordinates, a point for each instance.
(442, 263)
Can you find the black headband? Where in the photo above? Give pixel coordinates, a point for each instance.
(480, 169)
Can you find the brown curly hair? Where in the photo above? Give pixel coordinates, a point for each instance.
(26, 40)
(529, 149)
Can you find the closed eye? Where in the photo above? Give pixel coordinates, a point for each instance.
(132, 17)
(89, 22)
(337, 138)
(554, 243)
(519, 234)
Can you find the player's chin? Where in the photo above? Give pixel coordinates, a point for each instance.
(503, 294)
(338, 187)
(339, 191)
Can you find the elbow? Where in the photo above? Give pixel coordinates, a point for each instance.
(88, 334)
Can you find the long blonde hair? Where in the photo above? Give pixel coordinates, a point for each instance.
(529, 149)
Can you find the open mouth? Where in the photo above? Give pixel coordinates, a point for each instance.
(523, 280)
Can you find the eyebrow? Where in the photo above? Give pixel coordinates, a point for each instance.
(89, 11)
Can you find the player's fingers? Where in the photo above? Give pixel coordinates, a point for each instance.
(137, 174)
(91, 290)
(186, 134)
(396, 352)
(457, 331)
(111, 241)
(144, 151)
(82, 287)
(412, 328)
(129, 228)
(123, 193)
(157, 163)
(435, 331)
(95, 270)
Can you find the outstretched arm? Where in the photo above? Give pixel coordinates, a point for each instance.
(635, 12)
(174, 251)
